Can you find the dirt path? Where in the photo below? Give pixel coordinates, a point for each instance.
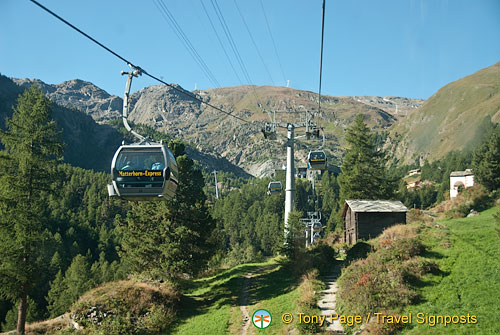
(244, 302)
(328, 300)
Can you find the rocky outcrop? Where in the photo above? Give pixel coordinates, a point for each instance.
(81, 95)
(220, 139)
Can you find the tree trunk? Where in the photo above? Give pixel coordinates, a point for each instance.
(21, 310)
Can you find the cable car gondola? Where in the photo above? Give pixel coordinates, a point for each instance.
(316, 160)
(145, 170)
(274, 187)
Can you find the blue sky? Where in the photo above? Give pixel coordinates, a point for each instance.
(386, 48)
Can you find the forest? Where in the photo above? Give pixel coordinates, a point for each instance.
(61, 235)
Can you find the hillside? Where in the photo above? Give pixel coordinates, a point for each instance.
(450, 119)
(466, 251)
(88, 145)
(429, 268)
(90, 141)
(218, 136)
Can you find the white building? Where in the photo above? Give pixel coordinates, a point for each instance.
(460, 179)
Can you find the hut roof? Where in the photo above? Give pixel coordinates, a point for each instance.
(374, 206)
(467, 172)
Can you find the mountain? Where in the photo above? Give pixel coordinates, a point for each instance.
(223, 140)
(80, 95)
(88, 145)
(398, 106)
(243, 143)
(449, 120)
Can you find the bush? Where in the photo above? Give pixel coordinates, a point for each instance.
(308, 288)
(359, 250)
(398, 232)
(372, 285)
(382, 281)
(476, 197)
(127, 307)
(399, 250)
(374, 328)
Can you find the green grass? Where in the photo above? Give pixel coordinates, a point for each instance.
(209, 302)
(211, 305)
(276, 291)
(468, 255)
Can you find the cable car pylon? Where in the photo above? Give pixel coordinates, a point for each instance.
(270, 131)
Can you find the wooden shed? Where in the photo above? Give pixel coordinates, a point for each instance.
(365, 219)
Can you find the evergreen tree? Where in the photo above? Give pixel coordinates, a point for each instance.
(363, 170)
(486, 163)
(77, 280)
(27, 171)
(168, 238)
(330, 198)
(295, 239)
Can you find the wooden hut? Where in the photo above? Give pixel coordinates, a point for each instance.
(365, 219)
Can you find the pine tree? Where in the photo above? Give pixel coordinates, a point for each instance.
(363, 171)
(172, 237)
(486, 163)
(27, 170)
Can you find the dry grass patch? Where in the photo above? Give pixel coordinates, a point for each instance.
(308, 299)
(47, 327)
(398, 232)
(475, 197)
(127, 307)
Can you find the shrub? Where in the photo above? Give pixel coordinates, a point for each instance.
(359, 250)
(398, 232)
(320, 256)
(382, 280)
(476, 197)
(127, 307)
(371, 285)
(402, 249)
(308, 299)
(374, 328)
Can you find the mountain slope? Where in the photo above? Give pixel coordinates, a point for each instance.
(222, 137)
(87, 144)
(81, 95)
(242, 143)
(450, 119)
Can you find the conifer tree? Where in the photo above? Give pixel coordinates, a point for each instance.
(171, 237)
(77, 280)
(27, 170)
(363, 170)
(486, 163)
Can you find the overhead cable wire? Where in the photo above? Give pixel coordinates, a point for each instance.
(220, 41)
(272, 39)
(234, 47)
(189, 94)
(227, 32)
(253, 41)
(169, 17)
(321, 56)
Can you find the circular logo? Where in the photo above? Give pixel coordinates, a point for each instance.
(261, 318)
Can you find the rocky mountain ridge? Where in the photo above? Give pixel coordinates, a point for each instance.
(218, 135)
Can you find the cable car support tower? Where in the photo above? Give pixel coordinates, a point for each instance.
(269, 131)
